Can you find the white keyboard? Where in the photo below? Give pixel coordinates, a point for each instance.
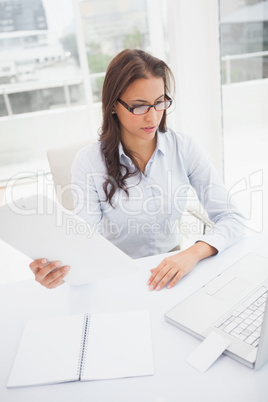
(245, 321)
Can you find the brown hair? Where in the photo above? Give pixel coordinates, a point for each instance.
(127, 67)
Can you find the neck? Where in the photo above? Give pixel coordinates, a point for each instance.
(141, 151)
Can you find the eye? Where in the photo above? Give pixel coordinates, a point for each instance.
(141, 107)
(137, 105)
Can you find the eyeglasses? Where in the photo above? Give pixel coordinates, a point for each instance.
(138, 110)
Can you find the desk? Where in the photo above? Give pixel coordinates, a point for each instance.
(174, 380)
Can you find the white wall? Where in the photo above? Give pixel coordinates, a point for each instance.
(245, 104)
(195, 60)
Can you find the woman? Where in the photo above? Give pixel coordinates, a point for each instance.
(131, 186)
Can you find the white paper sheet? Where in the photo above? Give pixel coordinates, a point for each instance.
(208, 351)
(49, 352)
(119, 345)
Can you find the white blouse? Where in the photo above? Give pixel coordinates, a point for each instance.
(145, 222)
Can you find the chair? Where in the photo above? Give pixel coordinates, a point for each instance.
(193, 223)
(60, 162)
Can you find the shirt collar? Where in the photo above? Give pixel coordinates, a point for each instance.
(160, 146)
(121, 150)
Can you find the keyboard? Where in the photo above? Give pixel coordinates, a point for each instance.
(245, 320)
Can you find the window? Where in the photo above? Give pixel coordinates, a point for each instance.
(51, 77)
(3, 111)
(108, 28)
(244, 55)
(40, 49)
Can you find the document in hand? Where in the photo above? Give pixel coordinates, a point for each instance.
(83, 347)
(41, 228)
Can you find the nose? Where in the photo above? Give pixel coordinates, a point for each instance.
(152, 115)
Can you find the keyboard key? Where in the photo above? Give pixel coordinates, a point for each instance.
(253, 307)
(238, 320)
(245, 321)
(245, 314)
(257, 333)
(259, 302)
(238, 310)
(230, 327)
(251, 299)
(259, 320)
(253, 317)
(246, 332)
(252, 327)
(248, 321)
(256, 343)
(232, 318)
(241, 337)
(250, 339)
(238, 330)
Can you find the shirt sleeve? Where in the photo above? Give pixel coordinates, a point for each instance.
(228, 221)
(84, 189)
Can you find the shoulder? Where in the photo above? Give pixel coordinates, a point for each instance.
(174, 141)
(89, 158)
(89, 151)
(182, 149)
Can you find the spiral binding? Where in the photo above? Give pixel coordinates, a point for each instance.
(83, 346)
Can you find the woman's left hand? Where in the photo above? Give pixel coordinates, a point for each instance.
(173, 268)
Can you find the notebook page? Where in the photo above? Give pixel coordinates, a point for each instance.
(49, 351)
(119, 345)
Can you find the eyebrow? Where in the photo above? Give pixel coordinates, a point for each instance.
(145, 101)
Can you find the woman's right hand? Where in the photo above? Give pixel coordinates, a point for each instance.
(50, 274)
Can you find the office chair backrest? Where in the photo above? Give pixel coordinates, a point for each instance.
(60, 162)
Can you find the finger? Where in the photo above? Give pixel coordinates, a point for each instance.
(163, 273)
(175, 279)
(166, 278)
(55, 278)
(37, 264)
(58, 282)
(152, 270)
(152, 277)
(156, 270)
(42, 273)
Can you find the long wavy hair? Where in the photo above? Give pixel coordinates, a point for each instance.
(127, 67)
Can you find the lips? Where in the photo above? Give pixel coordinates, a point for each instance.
(149, 129)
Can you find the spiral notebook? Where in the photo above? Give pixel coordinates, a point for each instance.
(83, 347)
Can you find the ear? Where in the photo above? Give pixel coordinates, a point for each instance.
(115, 108)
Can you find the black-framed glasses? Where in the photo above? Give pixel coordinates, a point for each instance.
(138, 110)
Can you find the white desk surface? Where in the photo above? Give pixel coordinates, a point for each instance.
(174, 379)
